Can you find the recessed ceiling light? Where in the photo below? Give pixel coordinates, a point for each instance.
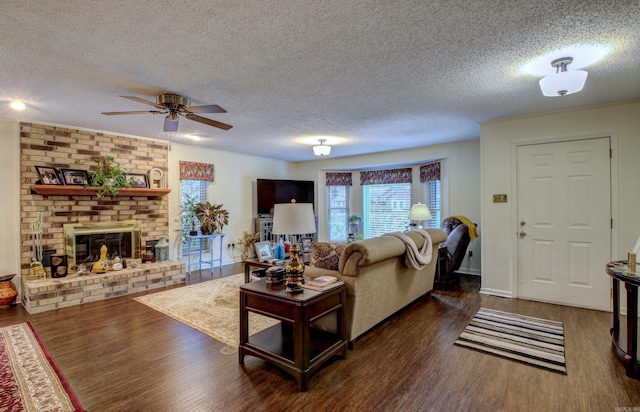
(17, 105)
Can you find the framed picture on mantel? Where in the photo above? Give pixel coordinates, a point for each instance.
(75, 177)
(48, 175)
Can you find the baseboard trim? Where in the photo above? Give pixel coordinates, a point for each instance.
(469, 272)
(496, 292)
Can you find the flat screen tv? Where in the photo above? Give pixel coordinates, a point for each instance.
(272, 191)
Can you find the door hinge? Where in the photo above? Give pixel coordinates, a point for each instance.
(611, 223)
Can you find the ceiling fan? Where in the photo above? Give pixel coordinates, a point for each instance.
(173, 105)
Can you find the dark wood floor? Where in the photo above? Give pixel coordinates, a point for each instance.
(120, 355)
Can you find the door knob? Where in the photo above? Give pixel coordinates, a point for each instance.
(522, 223)
(522, 234)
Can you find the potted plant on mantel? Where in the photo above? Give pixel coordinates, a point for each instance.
(108, 176)
(212, 217)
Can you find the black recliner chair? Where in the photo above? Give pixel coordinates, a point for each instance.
(456, 244)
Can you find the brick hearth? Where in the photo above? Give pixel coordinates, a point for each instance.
(75, 290)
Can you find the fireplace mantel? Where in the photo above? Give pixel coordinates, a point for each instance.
(59, 190)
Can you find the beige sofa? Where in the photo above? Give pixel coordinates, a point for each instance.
(378, 281)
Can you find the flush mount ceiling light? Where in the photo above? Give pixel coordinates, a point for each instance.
(563, 82)
(17, 105)
(321, 149)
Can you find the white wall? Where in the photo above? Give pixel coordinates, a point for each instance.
(461, 183)
(10, 199)
(619, 120)
(234, 187)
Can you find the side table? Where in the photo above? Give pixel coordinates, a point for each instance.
(292, 344)
(200, 239)
(253, 262)
(625, 340)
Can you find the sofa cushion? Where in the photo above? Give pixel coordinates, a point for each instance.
(326, 255)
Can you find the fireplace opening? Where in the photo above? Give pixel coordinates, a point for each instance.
(84, 240)
(88, 246)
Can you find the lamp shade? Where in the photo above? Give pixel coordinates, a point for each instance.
(563, 83)
(293, 218)
(420, 212)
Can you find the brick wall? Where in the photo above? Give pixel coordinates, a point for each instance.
(42, 145)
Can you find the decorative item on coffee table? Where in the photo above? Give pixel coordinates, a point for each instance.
(292, 219)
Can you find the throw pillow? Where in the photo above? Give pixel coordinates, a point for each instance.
(326, 255)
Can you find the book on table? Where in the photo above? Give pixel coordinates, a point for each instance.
(327, 286)
(322, 280)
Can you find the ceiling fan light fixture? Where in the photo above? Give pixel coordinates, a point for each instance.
(563, 82)
(321, 149)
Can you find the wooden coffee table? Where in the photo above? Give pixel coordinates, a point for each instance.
(293, 344)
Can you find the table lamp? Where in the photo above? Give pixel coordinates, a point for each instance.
(293, 219)
(419, 212)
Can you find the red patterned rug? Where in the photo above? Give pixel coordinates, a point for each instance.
(29, 378)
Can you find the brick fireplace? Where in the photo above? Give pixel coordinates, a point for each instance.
(58, 147)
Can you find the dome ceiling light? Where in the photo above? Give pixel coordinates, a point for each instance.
(563, 82)
(321, 149)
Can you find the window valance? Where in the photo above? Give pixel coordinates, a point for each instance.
(378, 177)
(339, 179)
(430, 172)
(196, 171)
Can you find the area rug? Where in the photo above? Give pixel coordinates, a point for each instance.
(29, 378)
(212, 307)
(534, 341)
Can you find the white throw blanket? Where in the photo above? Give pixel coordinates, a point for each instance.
(415, 258)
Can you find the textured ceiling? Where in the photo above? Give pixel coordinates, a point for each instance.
(377, 75)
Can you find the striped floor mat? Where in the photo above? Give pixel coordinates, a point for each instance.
(534, 341)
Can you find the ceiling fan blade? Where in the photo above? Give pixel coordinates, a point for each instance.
(206, 121)
(170, 125)
(143, 101)
(139, 112)
(210, 108)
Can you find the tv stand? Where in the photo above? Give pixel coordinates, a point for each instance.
(264, 226)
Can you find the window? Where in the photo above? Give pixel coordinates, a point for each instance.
(432, 200)
(338, 212)
(385, 208)
(195, 191)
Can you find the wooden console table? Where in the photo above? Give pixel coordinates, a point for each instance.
(292, 344)
(625, 340)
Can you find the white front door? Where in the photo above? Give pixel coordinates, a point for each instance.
(564, 222)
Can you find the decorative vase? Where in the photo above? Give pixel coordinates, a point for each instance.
(7, 292)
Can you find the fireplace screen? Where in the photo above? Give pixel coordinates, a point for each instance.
(84, 240)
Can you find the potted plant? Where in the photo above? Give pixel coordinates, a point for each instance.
(354, 224)
(188, 216)
(247, 241)
(108, 176)
(212, 217)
